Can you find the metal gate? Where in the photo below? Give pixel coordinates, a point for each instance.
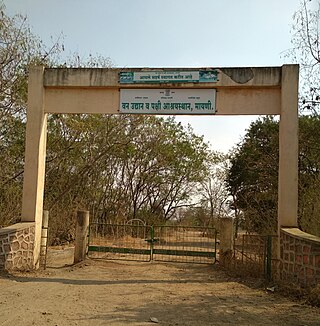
(146, 243)
(255, 255)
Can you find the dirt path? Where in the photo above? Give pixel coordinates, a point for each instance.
(129, 293)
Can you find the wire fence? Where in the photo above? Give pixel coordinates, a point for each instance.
(119, 241)
(185, 244)
(255, 255)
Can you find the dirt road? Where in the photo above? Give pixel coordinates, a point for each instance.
(130, 293)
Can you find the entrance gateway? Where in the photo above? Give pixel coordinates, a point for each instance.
(191, 91)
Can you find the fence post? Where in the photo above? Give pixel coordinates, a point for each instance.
(82, 228)
(226, 240)
(44, 239)
(151, 242)
(269, 257)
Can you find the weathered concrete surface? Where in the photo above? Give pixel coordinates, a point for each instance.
(226, 234)
(109, 77)
(288, 148)
(240, 90)
(35, 157)
(81, 240)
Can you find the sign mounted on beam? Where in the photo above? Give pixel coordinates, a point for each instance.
(168, 101)
(153, 76)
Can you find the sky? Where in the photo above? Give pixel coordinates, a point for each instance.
(171, 33)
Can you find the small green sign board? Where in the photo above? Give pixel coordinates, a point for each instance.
(157, 77)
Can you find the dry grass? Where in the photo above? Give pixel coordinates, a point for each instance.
(309, 295)
(123, 241)
(245, 268)
(313, 296)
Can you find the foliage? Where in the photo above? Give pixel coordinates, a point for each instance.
(11, 172)
(309, 177)
(19, 49)
(121, 167)
(211, 200)
(253, 176)
(214, 194)
(306, 51)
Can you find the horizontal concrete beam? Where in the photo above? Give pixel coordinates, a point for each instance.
(109, 77)
(255, 101)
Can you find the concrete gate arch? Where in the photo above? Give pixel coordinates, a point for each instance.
(240, 91)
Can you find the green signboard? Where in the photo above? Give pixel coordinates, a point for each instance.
(155, 76)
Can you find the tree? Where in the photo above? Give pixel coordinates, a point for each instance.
(11, 172)
(213, 191)
(253, 176)
(120, 167)
(309, 176)
(19, 49)
(306, 51)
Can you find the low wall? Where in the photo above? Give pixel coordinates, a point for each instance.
(16, 246)
(299, 257)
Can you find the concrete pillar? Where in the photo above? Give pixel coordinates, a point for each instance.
(81, 241)
(288, 148)
(226, 235)
(35, 153)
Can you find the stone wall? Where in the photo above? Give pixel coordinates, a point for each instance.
(16, 246)
(299, 257)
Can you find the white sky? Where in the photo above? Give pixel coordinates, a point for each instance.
(171, 33)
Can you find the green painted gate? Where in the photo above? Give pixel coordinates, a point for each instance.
(159, 243)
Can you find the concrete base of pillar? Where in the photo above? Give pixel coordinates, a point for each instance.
(17, 246)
